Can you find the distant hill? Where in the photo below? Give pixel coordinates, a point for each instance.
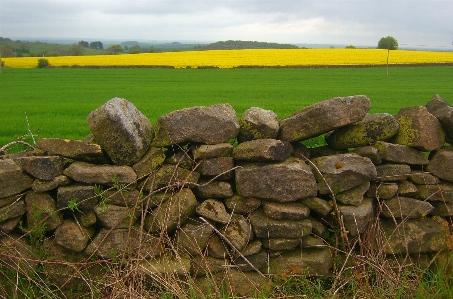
(239, 44)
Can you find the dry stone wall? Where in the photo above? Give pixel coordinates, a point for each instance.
(205, 192)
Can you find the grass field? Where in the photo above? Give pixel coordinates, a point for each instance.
(57, 101)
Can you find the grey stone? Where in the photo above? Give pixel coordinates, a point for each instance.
(369, 152)
(441, 109)
(14, 208)
(76, 197)
(71, 236)
(419, 129)
(441, 163)
(152, 159)
(281, 244)
(313, 242)
(181, 157)
(285, 210)
(252, 248)
(121, 130)
(317, 205)
(309, 261)
(323, 117)
(100, 174)
(86, 218)
(353, 196)
(123, 198)
(201, 265)
(214, 189)
(76, 149)
(406, 207)
(325, 150)
(372, 128)
(208, 125)
(439, 192)
(170, 176)
(112, 216)
(43, 186)
(238, 232)
(258, 123)
(406, 188)
(9, 225)
(12, 179)
(217, 248)
(207, 151)
(422, 178)
(217, 166)
(339, 173)
(193, 238)
(214, 210)
(238, 204)
(42, 209)
(442, 209)
(43, 168)
(392, 172)
(398, 153)
(266, 227)
(286, 181)
(165, 265)
(262, 150)
(383, 190)
(356, 219)
(258, 260)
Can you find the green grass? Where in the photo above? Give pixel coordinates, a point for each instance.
(57, 101)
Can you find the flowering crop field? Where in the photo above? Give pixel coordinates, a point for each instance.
(244, 58)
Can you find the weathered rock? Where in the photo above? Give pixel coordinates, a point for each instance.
(214, 189)
(441, 163)
(300, 151)
(173, 213)
(43, 186)
(76, 149)
(285, 210)
(323, 117)
(100, 174)
(217, 248)
(317, 205)
(286, 181)
(214, 210)
(241, 205)
(258, 123)
(266, 227)
(17, 255)
(42, 210)
(252, 248)
(86, 218)
(318, 227)
(9, 225)
(353, 196)
(12, 179)
(406, 207)
(422, 178)
(170, 176)
(406, 188)
(392, 172)
(123, 198)
(280, 244)
(415, 235)
(342, 172)
(258, 260)
(121, 130)
(202, 265)
(442, 209)
(42, 167)
(441, 109)
(369, 152)
(153, 158)
(180, 156)
(372, 128)
(307, 262)
(325, 150)
(77, 197)
(112, 216)
(208, 125)
(439, 192)
(193, 238)
(71, 236)
(238, 231)
(398, 153)
(165, 265)
(382, 190)
(262, 150)
(419, 129)
(313, 242)
(207, 151)
(356, 219)
(216, 166)
(12, 207)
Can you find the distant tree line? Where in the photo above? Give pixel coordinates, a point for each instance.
(239, 44)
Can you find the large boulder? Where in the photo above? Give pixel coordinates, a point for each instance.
(323, 117)
(258, 123)
(42, 167)
(207, 125)
(121, 130)
(372, 128)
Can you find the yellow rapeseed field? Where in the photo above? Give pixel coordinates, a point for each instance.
(236, 58)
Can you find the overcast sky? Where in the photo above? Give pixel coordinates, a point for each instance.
(426, 23)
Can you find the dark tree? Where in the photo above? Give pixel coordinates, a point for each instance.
(84, 44)
(96, 45)
(388, 42)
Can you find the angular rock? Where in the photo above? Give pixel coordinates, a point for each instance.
(208, 125)
(207, 151)
(318, 227)
(406, 207)
(71, 236)
(214, 210)
(153, 158)
(285, 210)
(323, 117)
(441, 109)
(12, 179)
(317, 205)
(121, 130)
(252, 248)
(216, 166)
(439, 192)
(76, 149)
(100, 174)
(165, 265)
(286, 181)
(173, 213)
(214, 189)
(419, 129)
(180, 157)
(398, 153)
(112, 216)
(342, 172)
(369, 152)
(266, 227)
(280, 244)
(76, 197)
(14, 208)
(392, 172)
(193, 238)
(441, 163)
(241, 205)
(238, 231)
(258, 260)
(356, 219)
(42, 167)
(217, 248)
(122, 198)
(406, 188)
(353, 196)
(422, 178)
(313, 242)
(372, 128)
(170, 176)
(442, 209)
(86, 218)
(415, 236)
(201, 265)
(9, 225)
(43, 186)
(313, 262)
(382, 191)
(262, 150)
(258, 123)
(42, 209)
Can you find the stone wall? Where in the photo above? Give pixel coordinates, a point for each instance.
(205, 192)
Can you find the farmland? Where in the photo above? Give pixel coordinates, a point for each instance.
(57, 101)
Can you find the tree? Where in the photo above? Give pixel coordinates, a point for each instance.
(96, 45)
(7, 51)
(115, 49)
(75, 50)
(84, 44)
(42, 63)
(135, 49)
(388, 42)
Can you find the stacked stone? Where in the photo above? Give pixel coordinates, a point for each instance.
(260, 206)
